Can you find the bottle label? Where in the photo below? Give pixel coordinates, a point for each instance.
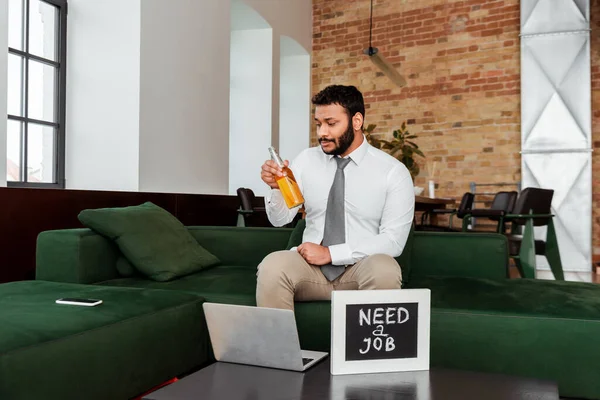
(290, 191)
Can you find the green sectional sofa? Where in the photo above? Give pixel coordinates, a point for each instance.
(480, 319)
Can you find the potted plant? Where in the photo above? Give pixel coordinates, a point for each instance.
(400, 146)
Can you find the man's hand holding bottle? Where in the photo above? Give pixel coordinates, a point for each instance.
(270, 172)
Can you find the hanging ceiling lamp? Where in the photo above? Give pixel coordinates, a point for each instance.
(381, 63)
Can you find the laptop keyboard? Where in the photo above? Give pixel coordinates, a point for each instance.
(306, 360)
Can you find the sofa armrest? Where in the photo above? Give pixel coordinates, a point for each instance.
(75, 256)
(474, 255)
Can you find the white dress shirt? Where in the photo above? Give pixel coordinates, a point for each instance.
(379, 202)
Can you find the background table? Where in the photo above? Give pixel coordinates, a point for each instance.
(423, 204)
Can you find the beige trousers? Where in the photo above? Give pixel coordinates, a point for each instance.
(284, 276)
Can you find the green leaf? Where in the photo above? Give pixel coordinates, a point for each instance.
(397, 153)
(370, 128)
(398, 147)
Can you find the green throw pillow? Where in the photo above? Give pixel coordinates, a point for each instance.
(296, 236)
(155, 242)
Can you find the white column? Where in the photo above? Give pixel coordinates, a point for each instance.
(556, 118)
(103, 95)
(184, 97)
(251, 107)
(294, 107)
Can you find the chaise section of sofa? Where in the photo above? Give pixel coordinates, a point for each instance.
(136, 339)
(533, 328)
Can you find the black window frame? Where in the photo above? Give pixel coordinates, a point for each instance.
(60, 90)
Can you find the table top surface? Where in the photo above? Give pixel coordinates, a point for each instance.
(233, 381)
(436, 200)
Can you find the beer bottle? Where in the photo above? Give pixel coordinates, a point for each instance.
(287, 183)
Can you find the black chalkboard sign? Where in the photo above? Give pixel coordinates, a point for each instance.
(381, 331)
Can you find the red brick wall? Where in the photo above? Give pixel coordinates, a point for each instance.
(462, 63)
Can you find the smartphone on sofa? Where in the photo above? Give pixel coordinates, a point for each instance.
(79, 301)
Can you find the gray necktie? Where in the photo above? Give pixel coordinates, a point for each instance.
(335, 218)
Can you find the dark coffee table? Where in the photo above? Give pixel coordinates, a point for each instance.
(233, 381)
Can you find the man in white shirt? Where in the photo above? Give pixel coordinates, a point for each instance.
(359, 204)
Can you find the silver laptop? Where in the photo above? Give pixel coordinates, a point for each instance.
(260, 336)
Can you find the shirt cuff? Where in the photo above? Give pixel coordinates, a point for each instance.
(341, 254)
(273, 198)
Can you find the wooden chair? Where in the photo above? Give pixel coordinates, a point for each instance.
(466, 203)
(247, 213)
(533, 208)
(502, 204)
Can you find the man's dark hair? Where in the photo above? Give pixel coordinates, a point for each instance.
(348, 97)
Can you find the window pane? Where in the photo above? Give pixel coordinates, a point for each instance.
(40, 153)
(15, 24)
(42, 78)
(15, 85)
(42, 29)
(13, 166)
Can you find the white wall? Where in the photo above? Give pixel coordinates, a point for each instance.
(184, 118)
(103, 86)
(262, 63)
(170, 62)
(3, 87)
(294, 108)
(292, 18)
(250, 107)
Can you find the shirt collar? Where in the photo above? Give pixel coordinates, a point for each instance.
(359, 153)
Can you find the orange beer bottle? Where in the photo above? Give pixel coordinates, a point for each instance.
(287, 183)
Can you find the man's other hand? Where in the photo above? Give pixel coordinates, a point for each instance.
(314, 254)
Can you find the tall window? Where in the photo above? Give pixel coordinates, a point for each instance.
(36, 93)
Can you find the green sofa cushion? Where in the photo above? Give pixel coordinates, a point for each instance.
(524, 297)
(134, 340)
(221, 284)
(153, 240)
(296, 235)
(237, 285)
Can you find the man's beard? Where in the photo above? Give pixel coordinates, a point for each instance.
(342, 143)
